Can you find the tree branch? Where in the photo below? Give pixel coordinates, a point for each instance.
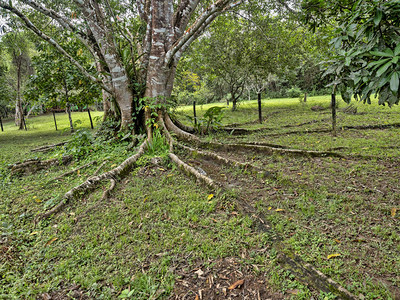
(199, 25)
(51, 41)
(183, 14)
(54, 15)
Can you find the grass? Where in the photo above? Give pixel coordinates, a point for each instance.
(157, 222)
(41, 131)
(159, 227)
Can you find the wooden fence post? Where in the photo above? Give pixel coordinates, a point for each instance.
(259, 108)
(90, 118)
(55, 121)
(194, 112)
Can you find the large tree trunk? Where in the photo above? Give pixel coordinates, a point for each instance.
(18, 105)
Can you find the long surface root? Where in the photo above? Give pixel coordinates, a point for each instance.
(73, 171)
(271, 150)
(32, 166)
(303, 271)
(92, 182)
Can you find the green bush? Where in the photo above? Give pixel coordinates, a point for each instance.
(294, 92)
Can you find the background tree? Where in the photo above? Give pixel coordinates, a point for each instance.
(59, 84)
(17, 48)
(157, 32)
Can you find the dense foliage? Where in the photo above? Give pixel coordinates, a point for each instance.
(366, 44)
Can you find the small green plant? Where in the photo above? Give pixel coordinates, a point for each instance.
(158, 145)
(80, 145)
(211, 119)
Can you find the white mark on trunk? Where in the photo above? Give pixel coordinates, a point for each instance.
(159, 44)
(154, 57)
(117, 69)
(109, 56)
(160, 30)
(122, 78)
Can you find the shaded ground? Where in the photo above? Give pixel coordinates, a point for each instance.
(323, 206)
(226, 278)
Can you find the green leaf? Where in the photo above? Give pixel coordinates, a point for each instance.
(397, 50)
(380, 53)
(378, 17)
(378, 63)
(394, 82)
(383, 69)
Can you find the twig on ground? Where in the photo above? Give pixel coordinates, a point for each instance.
(73, 171)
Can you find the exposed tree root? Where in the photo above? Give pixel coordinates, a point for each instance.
(264, 144)
(99, 168)
(179, 132)
(106, 193)
(31, 166)
(73, 171)
(226, 161)
(307, 273)
(92, 182)
(244, 131)
(303, 271)
(48, 147)
(306, 123)
(271, 150)
(189, 170)
(192, 171)
(182, 126)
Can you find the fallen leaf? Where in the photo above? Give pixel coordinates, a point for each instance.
(161, 169)
(293, 292)
(236, 284)
(279, 209)
(35, 232)
(199, 272)
(393, 212)
(51, 241)
(269, 208)
(114, 165)
(145, 199)
(169, 175)
(333, 255)
(38, 200)
(78, 172)
(210, 196)
(337, 241)
(298, 173)
(197, 297)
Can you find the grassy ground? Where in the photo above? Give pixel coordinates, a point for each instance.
(16, 143)
(161, 235)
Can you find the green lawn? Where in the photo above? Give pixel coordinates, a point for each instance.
(162, 235)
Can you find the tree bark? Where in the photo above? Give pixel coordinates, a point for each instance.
(55, 121)
(18, 107)
(90, 118)
(259, 108)
(333, 107)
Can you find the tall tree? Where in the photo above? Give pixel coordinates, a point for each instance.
(17, 46)
(58, 83)
(157, 33)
